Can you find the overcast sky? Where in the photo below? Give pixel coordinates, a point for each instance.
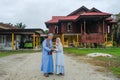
(34, 13)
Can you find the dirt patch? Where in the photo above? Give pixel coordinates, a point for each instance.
(2, 73)
(105, 64)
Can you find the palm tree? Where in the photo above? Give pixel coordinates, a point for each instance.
(20, 25)
(46, 31)
(10, 24)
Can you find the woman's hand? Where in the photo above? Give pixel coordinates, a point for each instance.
(52, 49)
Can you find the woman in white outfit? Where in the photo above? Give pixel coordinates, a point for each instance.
(59, 57)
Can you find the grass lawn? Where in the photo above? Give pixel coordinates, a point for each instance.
(78, 51)
(114, 63)
(7, 53)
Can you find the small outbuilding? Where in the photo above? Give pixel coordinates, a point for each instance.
(12, 38)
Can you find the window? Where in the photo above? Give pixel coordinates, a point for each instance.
(69, 27)
(8, 38)
(108, 29)
(56, 29)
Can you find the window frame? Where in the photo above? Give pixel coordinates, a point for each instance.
(69, 27)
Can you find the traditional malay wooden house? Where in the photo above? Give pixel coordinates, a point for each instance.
(11, 37)
(83, 26)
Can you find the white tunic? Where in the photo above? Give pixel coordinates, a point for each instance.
(59, 59)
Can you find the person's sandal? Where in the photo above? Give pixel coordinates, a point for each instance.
(46, 75)
(58, 74)
(61, 74)
(50, 73)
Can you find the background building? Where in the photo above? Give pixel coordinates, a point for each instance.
(87, 27)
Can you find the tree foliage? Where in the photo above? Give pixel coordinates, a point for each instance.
(116, 29)
(46, 31)
(20, 25)
(10, 24)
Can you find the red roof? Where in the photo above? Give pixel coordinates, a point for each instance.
(69, 18)
(95, 14)
(56, 19)
(109, 19)
(113, 21)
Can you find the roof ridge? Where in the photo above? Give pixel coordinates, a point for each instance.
(82, 7)
(95, 9)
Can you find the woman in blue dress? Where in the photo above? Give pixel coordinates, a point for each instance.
(59, 57)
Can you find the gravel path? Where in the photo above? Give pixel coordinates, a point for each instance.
(26, 67)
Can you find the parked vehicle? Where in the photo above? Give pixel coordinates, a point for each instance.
(28, 44)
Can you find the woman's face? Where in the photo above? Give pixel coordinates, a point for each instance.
(57, 40)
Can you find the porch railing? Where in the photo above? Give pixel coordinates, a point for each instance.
(92, 38)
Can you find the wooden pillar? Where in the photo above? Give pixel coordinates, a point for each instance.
(85, 30)
(63, 39)
(84, 27)
(104, 30)
(106, 38)
(33, 40)
(107, 35)
(81, 29)
(112, 39)
(77, 39)
(37, 41)
(103, 27)
(67, 42)
(12, 41)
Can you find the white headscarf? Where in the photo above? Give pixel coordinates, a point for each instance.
(59, 45)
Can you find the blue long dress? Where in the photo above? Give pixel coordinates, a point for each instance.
(47, 60)
(59, 59)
